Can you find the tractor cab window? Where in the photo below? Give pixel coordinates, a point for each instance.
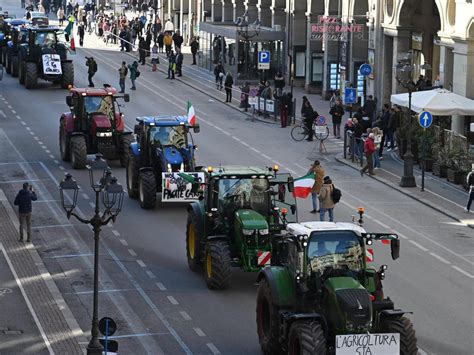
(45, 39)
(169, 136)
(99, 104)
(338, 251)
(244, 193)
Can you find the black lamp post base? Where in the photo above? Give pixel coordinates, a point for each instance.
(95, 350)
(408, 181)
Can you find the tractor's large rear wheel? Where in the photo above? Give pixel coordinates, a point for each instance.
(268, 320)
(64, 143)
(132, 176)
(31, 79)
(217, 265)
(147, 189)
(15, 66)
(22, 72)
(306, 338)
(193, 243)
(67, 78)
(403, 326)
(124, 149)
(78, 150)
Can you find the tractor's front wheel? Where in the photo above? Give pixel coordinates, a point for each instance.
(268, 321)
(124, 151)
(64, 143)
(132, 176)
(78, 150)
(217, 265)
(147, 189)
(15, 66)
(193, 243)
(67, 78)
(306, 338)
(31, 79)
(403, 326)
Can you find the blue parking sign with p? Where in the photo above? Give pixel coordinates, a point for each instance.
(264, 57)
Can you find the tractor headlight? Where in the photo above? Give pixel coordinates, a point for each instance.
(169, 167)
(263, 232)
(104, 134)
(247, 231)
(181, 168)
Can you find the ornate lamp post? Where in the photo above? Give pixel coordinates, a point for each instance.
(405, 69)
(247, 32)
(112, 198)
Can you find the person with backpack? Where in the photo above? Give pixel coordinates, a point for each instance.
(92, 69)
(470, 184)
(123, 71)
(318, 172)
(134, 74)
(325, 200)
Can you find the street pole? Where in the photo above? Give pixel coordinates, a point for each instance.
(408, 180)
(423, 157)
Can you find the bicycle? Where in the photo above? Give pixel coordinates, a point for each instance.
(300, 132)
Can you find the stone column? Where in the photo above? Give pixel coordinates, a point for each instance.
(401, 44)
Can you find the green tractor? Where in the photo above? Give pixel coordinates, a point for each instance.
(233, 223)
(320, 296)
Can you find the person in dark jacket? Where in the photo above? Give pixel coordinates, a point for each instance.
(81, 31)
(369, 108)
(279, 83)
(285, 103)
(229, 81)
(178, 40)
(337, 111)
(92, 69)
(171, 65)
(160, 41)
(179, 62)
(23, 201)
(156, 28)
(194, 49)
(309, 115)
(141, 50)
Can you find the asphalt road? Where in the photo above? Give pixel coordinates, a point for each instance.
(160, 306)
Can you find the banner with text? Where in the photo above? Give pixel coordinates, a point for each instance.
(176, 189)
(368, 344)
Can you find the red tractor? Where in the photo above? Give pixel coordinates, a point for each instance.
(94, 125)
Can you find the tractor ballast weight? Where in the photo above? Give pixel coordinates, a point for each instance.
(164, 148)
(237, 220)
(93, 125)
(320, 291)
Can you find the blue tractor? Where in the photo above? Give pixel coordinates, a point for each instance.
(164, 144)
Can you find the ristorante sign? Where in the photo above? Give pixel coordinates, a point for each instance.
(333, 29)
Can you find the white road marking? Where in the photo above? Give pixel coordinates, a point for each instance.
(172, 300)
(150, 274)
(141, 263)
(199, 332)
(185, 315)
(161, 286)
(51, 156)
(116, 233)
(31, 132)
(418, 245)
(244, 144)
(62, 167)
(10, 107)
(56, 161)
(85, 196)
(462, 271)
(18, 117)
(236, 138)
(132, 252)
(36, 138)
(124, 242)
(443, 260)
(23, 123)
(255, 150)
(92, 204)
(13, 111)
(28, 129)
(301, 167)
(3, 114)
(227, 133)
(213, 348)
(382, 224)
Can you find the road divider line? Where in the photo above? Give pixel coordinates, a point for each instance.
(3, 114)
(61, 168)
(255, 150)
(266, 157)
(199, 332)
(418, 245)
(136, 335)
(172, 300)
(102, 291)
(56, 161)
(92, 204)
(213, 348)
(13, 111)
(9, 106)
(23, 123)
(462, 271)
(141, 263)
(150, 274)
(185, 315)
(67, 256)
(443, 260)
(51, 156)
(85, 196)
(18, 117)
(160, 286)
(244, 144)
(116, 233)
(124, 242)
(132, 252)
(28, 129)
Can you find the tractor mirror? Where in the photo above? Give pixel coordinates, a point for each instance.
(69, 100)
(290, 184)
(126, 97)
(196, 128)
(293, 209)
(395, 248)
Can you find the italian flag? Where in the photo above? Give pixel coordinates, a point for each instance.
(303, 185)
(191, 114)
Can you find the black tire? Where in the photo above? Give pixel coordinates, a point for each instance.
(124, 151)
(78, 149)
(64, 144)
(298, 133)
(8, 64)
(4, 56)
(268, 320)
(147, 189)
(15, 66)
(132, 176)
(306, 338)
(22, 73)
(67, 78)
(193, 243)
(31, 79)
(217, 265)
(403, 326)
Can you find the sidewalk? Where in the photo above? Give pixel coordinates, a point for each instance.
(55, 322)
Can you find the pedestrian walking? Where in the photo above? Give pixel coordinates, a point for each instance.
(123, 71)
(179, 58)
(229, 81)
(318, 172)
(134, 73)
(244, 96)
(378, 134)
(92, 69)
(325, 200)
(156, 29)
(336, 112)
(309, 115)
(171, 65)
(23, 201)
(168, 41)
(178, 40)
(154, 57)
(160, 41)
(219, 74)
(60, 15)
(194, 49)
(369, 150)
(141, 50)
(470, 184)
(81, 32)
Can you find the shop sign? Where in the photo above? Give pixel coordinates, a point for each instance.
(333, 29)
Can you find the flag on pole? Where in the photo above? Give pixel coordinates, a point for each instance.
(191, 114)
(303, 185)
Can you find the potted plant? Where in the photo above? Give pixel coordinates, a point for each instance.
(426, 139)
(440, 166)
(457, 160)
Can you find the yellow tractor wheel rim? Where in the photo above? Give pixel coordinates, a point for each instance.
(209, 265)
(192, 241)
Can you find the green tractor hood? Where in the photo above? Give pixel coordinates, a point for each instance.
(249, 219)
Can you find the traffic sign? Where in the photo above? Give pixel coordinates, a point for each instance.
(365, 69)
(350, 96)
(107, 326)
(321, 120)
(425, 119)
(264, 60)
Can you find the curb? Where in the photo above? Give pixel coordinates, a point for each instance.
(425, 202)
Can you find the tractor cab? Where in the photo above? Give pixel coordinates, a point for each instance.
(47, 40)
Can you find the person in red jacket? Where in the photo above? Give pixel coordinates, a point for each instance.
(369, 150)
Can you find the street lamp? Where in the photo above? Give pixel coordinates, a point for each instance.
(405, 69)
(247, 32)
(112, 199)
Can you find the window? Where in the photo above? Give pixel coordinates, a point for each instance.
(45, 39)
(300, 64)
(317, 68)
(333, 77)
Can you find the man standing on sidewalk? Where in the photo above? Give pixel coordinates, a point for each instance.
(194, 49)
(81, 31)
(91, 63)
(179, 62)
(123, 71)
(318, 172)
(23, 201)
(369, 150)
(337, 111)
(470, 184)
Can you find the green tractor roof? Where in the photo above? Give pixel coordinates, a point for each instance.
(234, 171)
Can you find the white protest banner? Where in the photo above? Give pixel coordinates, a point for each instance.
(252, 100)
(320, 129)
(270, 105)
(52, 64)
(261, 105)
(176, 189)
(368, 344)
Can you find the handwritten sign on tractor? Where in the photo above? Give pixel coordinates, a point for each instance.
(333, 29)
(52, 64)
(177, 189)
(365, 344)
